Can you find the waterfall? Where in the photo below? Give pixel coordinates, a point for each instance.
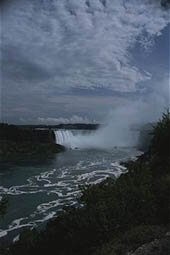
(104, 138)
(65, 137)
(71, 138)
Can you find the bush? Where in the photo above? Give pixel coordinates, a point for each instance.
(114, 213)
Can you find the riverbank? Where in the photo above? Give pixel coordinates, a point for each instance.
(129, 215)
(10, 150)
(18, 143)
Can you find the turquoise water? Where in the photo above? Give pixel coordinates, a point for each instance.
(37, 189)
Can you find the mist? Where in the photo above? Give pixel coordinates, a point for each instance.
(122, 124)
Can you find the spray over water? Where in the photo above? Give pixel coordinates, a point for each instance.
(122, 125)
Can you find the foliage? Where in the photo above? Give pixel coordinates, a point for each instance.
(17, 142)
(160, 143)
(19, 135)
(116, 216)
(132, 239)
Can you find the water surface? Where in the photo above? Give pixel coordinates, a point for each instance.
(37, 189)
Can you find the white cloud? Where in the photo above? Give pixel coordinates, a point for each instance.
(61, 120)
(50, 48)
(82, 43)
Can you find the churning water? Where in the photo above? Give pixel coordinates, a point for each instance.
(38, 189)
(74, 139)
(106, 137)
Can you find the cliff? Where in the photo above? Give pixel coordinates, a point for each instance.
(17, 134)
(16, 141)
(126, 216)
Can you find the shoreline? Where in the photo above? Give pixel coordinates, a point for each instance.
(121, 170)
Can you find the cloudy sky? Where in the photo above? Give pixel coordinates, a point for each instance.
(76, 60)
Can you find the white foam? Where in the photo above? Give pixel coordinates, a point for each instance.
(16, 238)
(3, 233)
(62, 184)
(49, 216)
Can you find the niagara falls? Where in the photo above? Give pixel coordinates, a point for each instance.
(84, 127)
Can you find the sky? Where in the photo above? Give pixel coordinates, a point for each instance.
(66, 61)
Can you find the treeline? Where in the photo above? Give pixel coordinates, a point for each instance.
(20, 143)
(117, 216)
(81, 126)
(19, 134)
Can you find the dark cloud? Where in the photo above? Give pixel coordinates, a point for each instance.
(75, 56)
(19, 66)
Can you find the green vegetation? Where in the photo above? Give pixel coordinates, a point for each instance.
(21, 143)
(13, 151)
(117, 216)
(18, 134)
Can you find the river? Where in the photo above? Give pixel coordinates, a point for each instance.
(37, 189)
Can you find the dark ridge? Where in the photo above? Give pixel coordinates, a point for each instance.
(21, 134)
(64, 126)
(18, 143)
